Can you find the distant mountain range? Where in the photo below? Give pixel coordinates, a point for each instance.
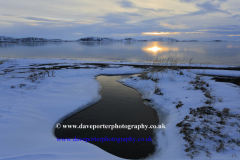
(28, 39)
(4, 39)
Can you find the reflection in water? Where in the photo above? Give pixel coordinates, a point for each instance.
(201, 52)
(155, 48)
(232, 46)
(99, 43)
(195, 50)
(28, 44)
(86, 43)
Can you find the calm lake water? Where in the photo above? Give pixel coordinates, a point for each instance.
(227, 53)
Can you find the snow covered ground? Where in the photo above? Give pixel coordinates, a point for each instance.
(177, 94)
(32, 102)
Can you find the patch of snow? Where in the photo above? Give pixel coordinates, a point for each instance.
(28, 114)
(176, 88)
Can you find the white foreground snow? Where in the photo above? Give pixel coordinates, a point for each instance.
(28, 114)
(175, 88)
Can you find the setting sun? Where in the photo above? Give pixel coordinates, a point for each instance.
(157, 48)
(154, 49)
(160, 33)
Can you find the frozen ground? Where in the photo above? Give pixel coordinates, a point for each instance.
(33, 101)
(197, 126)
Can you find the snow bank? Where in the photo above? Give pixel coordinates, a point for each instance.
(28, 114)
(176, 88)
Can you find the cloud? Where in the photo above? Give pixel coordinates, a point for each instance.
(226, 28)
(210, 30)
(41, 19)
(156, 10)
(115, 18)
(186, 1)
(131, 14)
(236, 16)
(121, 18)
(126, 4)
(177, 26)
(221, 1)
(8, 15)
(208, 7)
(169, 33)
(192, 32)
(129, 4)
(126, 34)
(194, 1)
(154, 22)
(160, 33)
(50, 21)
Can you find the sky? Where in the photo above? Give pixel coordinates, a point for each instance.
(141, 19)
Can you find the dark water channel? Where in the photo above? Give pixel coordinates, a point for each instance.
(121, 105)
(234, 80)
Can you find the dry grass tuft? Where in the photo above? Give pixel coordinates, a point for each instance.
(2, 61)
(41, 75)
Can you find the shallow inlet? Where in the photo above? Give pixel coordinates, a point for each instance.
(121, 105)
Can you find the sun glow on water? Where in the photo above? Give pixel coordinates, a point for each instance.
(155, 49)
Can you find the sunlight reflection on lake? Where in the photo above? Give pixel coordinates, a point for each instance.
(201, 52)
(156, 48)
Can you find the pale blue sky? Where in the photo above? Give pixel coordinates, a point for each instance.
(74, 19)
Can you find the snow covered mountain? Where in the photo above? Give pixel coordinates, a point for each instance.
(165, 39)
(217, 41)
(6, 39)
(27, 39)
(33, 39)
(129, 39)
(190, 41)
(105, 39)
(96, 39)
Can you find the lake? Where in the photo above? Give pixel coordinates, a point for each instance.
(226, 53)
